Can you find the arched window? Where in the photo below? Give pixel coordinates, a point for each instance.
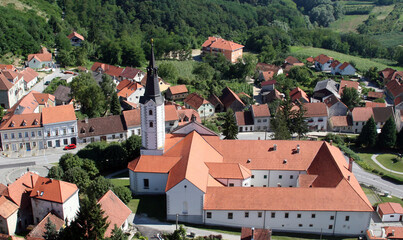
(151, 124)
(150, 112)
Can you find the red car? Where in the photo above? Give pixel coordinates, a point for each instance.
(70, 146)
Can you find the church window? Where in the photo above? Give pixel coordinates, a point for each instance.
(151, 124)
(146, 183)
(150, 112)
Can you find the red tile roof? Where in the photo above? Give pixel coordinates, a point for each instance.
(108, 69)
(228, 97)
(292, 60)
(57, 114)
(6, 67)
(53, 190)
(124, 83)
(376, 104)
(171, 114)
(297, 94)
(348, 84)
(387, 73)
(322, 59)
(29, 74)
(390, 208)
(178, 89)
(5, 84)
(228, 171)
(219, 43)
(130, 72)
(394, 87)
(269, 82)
(393, 232)
(261, 110)
(244, 118)
(19, 190)
(375, 94)
(258, 234)
(132, 117)
(129, 89)
(74, 34)
(344, 65)
(19, 121)
(39, 230)
(189, 114)
(334, 64)
(340, 121)
(267, 67)
(100, 126)
(195, 100)
(43, 56)
(310, 59)
(7, 207)
(116, 211)
(267, 75)
(362, 114)
(318, 109)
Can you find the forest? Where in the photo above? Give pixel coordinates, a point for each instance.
(118, 31)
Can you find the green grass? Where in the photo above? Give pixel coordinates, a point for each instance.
(382, 11)
(348, 23)
(390, 39)
(392, 199)
(391, 161)
(133, 205)
(369, 192)
(121, 182)
(363, 64)
(369, 165)
(184, 68)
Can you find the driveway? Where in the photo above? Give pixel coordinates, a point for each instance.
(40, 86)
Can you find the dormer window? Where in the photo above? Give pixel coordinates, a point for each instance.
(82, 130)
(36, 122)
(24, 123)
(12, 124)
(92, 129)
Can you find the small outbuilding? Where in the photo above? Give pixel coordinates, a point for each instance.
(390, 212)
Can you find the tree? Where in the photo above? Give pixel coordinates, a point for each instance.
(302, 75)
(280, 128)
(399, 56)
(350, 97)
(90, 167)
(372, 74)
(78, 176)
(368, 134)
(230, 128)
(168, 71)
(387, 137)
(203, 71)
(69, 161)
(117, 234)
(108, 88)
(132, 146)
(123, 193)
(299, 125)
(115, 104)
(98, 187)
(50, 231)
(56, 172)
(89, 223)
(399, 139)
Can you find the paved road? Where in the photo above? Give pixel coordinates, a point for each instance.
(40, 86)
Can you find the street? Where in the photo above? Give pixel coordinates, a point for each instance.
(40, 86)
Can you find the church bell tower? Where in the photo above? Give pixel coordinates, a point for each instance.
(152, 113)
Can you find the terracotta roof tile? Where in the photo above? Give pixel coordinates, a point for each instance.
(57, 114)
(39, 230)
(228, 97)
(267, 75)
(387, 73)
(53, 190)
(171, 114)
(375, 94)
(124, 83)
(391, 208)
(334, 64)
(267, 67)
(43, 56)
(394, 232)
(292, 60)
(258, 234)
(322, 59)
(340, 121)
(132, 117)
(74, 34)
(382, 114)
(29, 74)
(213, 99)
(347, 84)
(219, 43)
(178, 89)
(394, 87)
(19, 190)
(305, 180)
(195, 100)
(19, 121)
(297, 94)
(244, 118)
(376, 104)
(318, 109)
(310, 59)
(116, 211)
(261, 110)
(130, 72)
(189, 114)
(5, 84)
(7, 207)
(362, 114)
(129, 89)
(269, 82)
(344, 65)
(228, 171)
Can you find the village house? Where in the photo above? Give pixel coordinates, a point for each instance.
(102, 68)
(268, 85)
(8, 213)
(132, 122)
(30, 78)
(374, 104)
(316, 115)
(210, 181)
(298, 95)
(342, 69)
(110, 128)
(62, 95)
(360, 116)
(348, 84)
(394, 89)
(341, 124)
(268, 71)
(375, 95)
(325, 88)
(255, 234)
(162, 84)
(268, 97)
(132, 74)
(39, 230)
(76, 39)
(12, 88)
(385, 233)
(178, 92)
(216, 102)
(232, 51)
(188, 115)
(231, 100)
(59, 126)
(43, 59)
(201, 105)
(291, 61)
(261, 117)
(322, 63)
(390, 212)
(389, 74)
(33, 102)
(244, 121)
(171, 118)
(130, 91)
(116, 211)
(335, 106)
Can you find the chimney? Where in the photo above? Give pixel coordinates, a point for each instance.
(298, 148)
(253, 233)
(285, 161)
(37, 193)
(86, 120)
(331, 142)
(350, 164)
(274, 147)
(248, 161)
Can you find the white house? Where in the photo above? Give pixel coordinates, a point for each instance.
(316, 115)
(132, 122)
(342, 69)
(8, 216)
(30, 78)
(132, 74)
(43, 59)
(130, 91)
(109, 128)
(54, 195)
(12, 88)
(322, 63)
(201, 105)
(390, 212)
(244, 121)
(261, 117)
(59, 126)
(294, 186)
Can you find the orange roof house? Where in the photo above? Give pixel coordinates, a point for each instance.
(347, 84)
(39, 230)
(116, 211)
(290, 60)
(62, 113)
(232, 51)
(177, 92)
(297, 94)
(75, 35)
(110, 70)
(390, 211)
(40, 60)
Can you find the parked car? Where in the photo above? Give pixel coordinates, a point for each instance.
(70, 146)
(47, 82)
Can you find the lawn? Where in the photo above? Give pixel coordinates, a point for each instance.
(121, 182)
(362, 63)
(184, 68)
(370, 165)
(370, 194)
(391, 161)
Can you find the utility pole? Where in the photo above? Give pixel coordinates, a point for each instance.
(177, 217)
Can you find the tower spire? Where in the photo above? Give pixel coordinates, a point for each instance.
(152, 91)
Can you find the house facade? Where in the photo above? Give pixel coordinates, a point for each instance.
(244, 121)
(201, 105)
(232, 51)
(341, 124)
(76, 39)
(43, 59)
(390, 212)
(59, 126)
(261, 117)
(322, 63)
(132, 122)
(12, 88)
(343, 69)
(316, 115)
(110, 128)
(132, 74)
(8, 216)
(178, 92)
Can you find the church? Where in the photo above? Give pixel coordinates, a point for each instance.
(286, 186)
